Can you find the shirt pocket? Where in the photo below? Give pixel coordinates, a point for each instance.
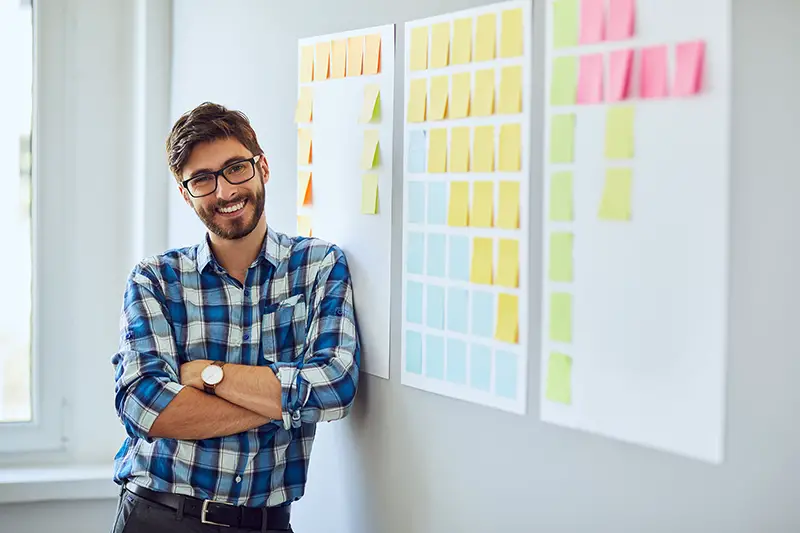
(283, 330)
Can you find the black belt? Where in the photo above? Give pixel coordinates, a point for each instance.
(218, 513)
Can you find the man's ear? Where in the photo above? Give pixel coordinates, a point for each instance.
(264, 168)
(185, 195)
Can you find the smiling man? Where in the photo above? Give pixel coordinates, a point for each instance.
(231, 351)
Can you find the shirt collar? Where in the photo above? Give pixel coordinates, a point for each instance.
(273, 250)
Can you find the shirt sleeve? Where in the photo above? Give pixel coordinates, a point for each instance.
(146, 371)
(322, 387)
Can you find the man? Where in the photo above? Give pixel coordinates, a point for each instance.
(231, 351)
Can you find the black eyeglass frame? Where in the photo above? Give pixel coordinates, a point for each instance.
(221, 172)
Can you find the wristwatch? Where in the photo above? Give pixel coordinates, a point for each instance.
(212, 376)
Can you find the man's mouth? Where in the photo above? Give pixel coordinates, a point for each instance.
(232, 209)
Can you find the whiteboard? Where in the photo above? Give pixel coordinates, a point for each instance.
(649, 294)
(335, 210)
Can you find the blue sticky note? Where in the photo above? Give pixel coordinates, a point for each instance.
(414, 302)
(456, 361)
(483, 314)
(480, 367)
(416, 202)
(437, 203)
(416, 151)
(457, 305)
(436, 254)
(415, 256)
(505, 375)
(434, 356)
(414, 352)
(458, 265)
(435, 314)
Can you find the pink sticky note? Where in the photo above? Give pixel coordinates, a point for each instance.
(592, 21)
(590, 79)
(619, 78)
(621, 19)
(689, 63)
(653, 81)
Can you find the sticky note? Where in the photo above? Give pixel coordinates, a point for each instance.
(437, 253)
(507, 329)
(437, 202)
(511, 33)
(590, 79)
(689, 65)
(483, 99)
(322, 63)
(653, 80)
(304, 226)
(339, 58)
(459, 102)
(510, 100)
(506, 371)
(417, 100)
(486, 37)
(370, 109)
(457, 309)
(304, 152)
(414, 302)
(413, 352)
(458, 258)
(508, 205)
(458, 208)
(482, 213)
(417, 147)
(560, 256)
(619, 76)
(439, 92)
(483, 149)
(510, 146)
(369, 194)
(355, 56)
(562, 138)
(459, 149)
(561, 317)
(621, 19)
(564, 82)
(616, 201)
(561, 199)
(415, 254)
(416, 202)
(434, 356)
(482, 261)
(456, 361)
(440, 45)
(304, 196)
(419, 48)
(306, 64)
(305, 103)
(462, 41)
(370, 154)
(565, 23)
(434, 317)
(372, 54)
(480, 364)
(482, 314)
(592, 28)
(619, 132)
(559, 379)
(508, 263)
(437, 153)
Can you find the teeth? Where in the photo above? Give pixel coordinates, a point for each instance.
(232, 208)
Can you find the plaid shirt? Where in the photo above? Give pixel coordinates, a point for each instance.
(295, 314)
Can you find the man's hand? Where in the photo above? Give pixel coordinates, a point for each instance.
(191, 373)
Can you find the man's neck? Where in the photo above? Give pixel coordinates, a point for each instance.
(236, 256)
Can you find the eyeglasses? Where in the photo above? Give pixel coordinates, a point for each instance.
(235, 174)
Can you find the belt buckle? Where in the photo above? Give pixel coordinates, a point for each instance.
(204, 511)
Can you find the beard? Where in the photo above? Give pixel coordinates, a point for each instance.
(239, 227)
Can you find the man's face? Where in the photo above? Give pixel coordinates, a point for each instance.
(232, 211)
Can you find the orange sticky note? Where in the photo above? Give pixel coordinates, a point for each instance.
(355, 54)
(592, 21)
(304, 152)
(458, 207)
(305, 188)
(511, 33)
(440, 45)
(483, 98)
(370, 154)
(507, 324)
(482, 213)
(419, 48)
(307, 64)
(439, 93)
(459, 105)
(304, 226)
(417, 100)
(459, 149)
(305, 104)
(462, 41)
(339, 58)
(372, 54)
(689, 64)
(482, 265)
(508, 263)
(483, 149)
(437, 153)
(486, 37)
(590, 79)
(619, 76)
(508, 209)
(653, 72)
(322, 63)
(621, 19)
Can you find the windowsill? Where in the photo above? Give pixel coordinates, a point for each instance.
(54, 483)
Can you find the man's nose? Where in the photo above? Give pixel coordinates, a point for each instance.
(225, 191)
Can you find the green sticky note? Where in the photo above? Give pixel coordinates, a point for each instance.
(559, 379)
(561, 197)
(561, 317)
(565, 23)
(619, 132)
(616, 201)
(564, 82)
(561, 256)
(562, 139)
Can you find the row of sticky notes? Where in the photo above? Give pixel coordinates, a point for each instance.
(619, 135)
(341, 58)
(444, 44)
(448, 359)
(482, 270)
(615, 205)
(459, 99)
(592, 21)
(471, 149)
(449, 203)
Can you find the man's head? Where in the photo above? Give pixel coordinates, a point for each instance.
(221, 171)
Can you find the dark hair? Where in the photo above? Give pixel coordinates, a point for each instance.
(207, 122)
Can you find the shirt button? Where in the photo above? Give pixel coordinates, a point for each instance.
(238, 479)
(296, 415)
(246, 336)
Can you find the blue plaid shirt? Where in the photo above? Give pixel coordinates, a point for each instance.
(295, 313)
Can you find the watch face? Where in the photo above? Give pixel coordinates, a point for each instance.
(212, 374)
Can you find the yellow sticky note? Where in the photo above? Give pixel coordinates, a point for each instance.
(437, 152)
(507, 327)
(616, 201)
(483, 149)
(339, 58)
(462, 41)
(459, 102)
(440, 86)
(370, 155)
(561, 317)
(619, 132)
(561, 197)
(486, 37)
(483, 99)
(419, 48)
(370, 109)
(559, 379)
(508, 210)
(481, 269)
(458, 206)
(482, 213)
(304, 155)
(355, 55)
(307, 64)
(304, 197)
(440, 45)
(511, 33)
(560, 262)
(510, 100)
(369, 194)
(304, 226)
(459, 149)
(322, 63)
(372, 54)
(564, 81)
(565, 23)
(305, 105)
(417, 100)
(510, 148)
(508, 263)
(562, 139)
